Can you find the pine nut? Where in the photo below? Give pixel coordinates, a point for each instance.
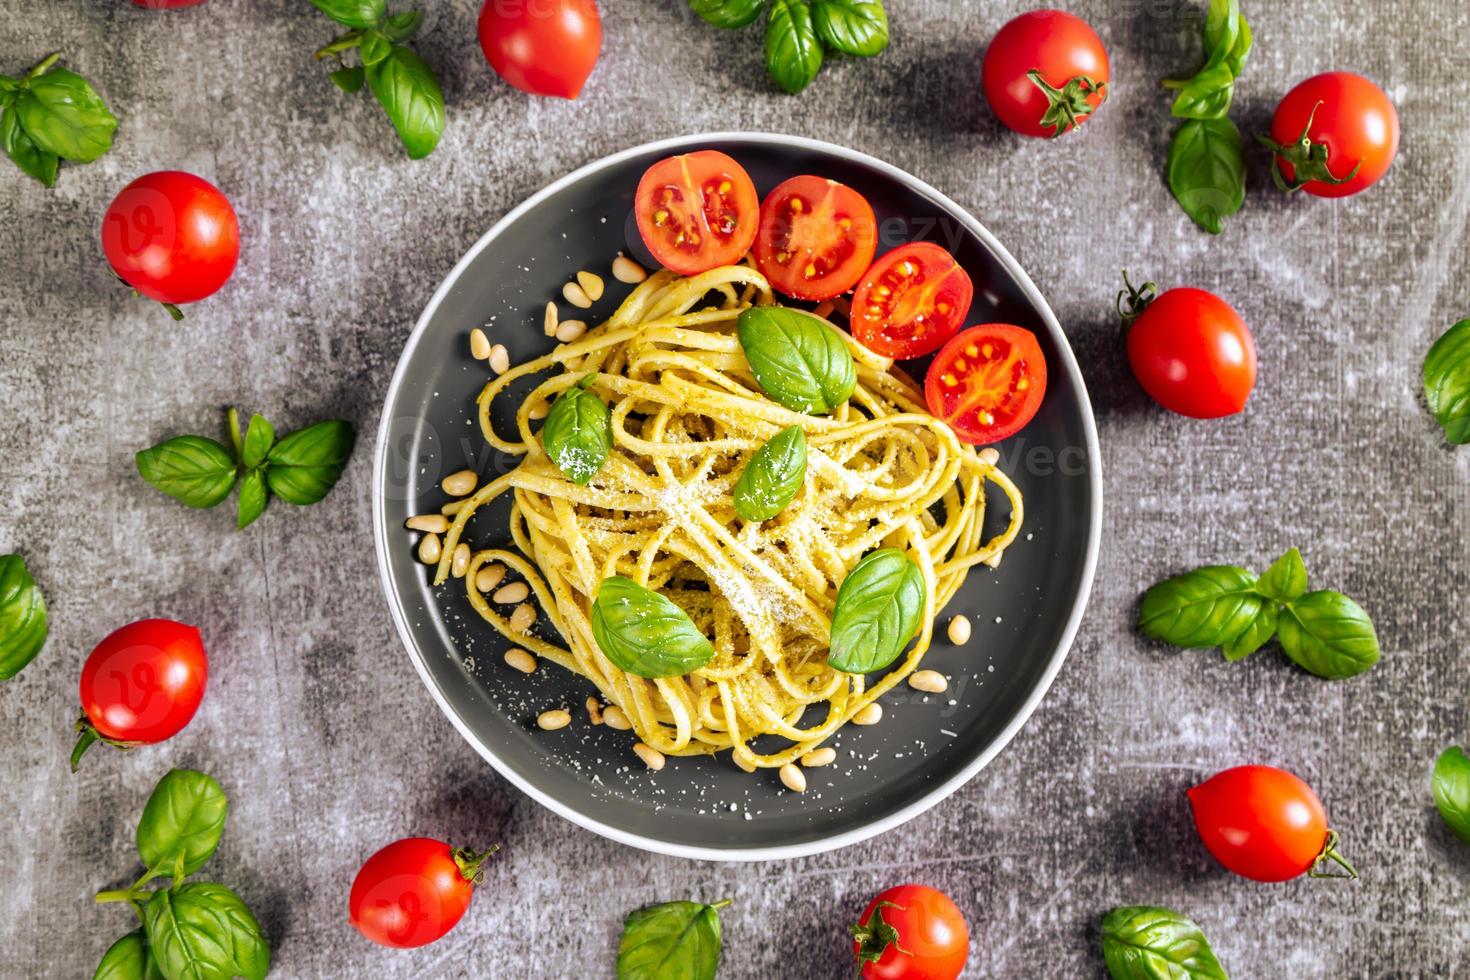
(460, 484)
(613, 717)
(870, 715)
(591, 284)
(819, 757)
(989, 456)
(521, 660)
(434, 523)
(652, 757)
(460, 563)
(430, 549)
(514, 592)
(930, 681)
(538, 412)
(576, 295)
(626, 270)
(499, 359)
(594, 710)
(959, 630)
(550, 721)
(523, 617)
(479, 344)
(793, 778)
(993, 561)
(742, 762)
(571, 330)
(489, 577)
(550, 320)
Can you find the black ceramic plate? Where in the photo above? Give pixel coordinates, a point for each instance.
(1025, 613)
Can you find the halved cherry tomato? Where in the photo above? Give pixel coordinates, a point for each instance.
(911, 301)
(1265, 824)
(412, 892)
(1070, 66)
(988, 382)
(911, 932)
(141, 685)
(545, 47)
(1336, 134)
(817, 237)
(697, 211)
(1190, 350)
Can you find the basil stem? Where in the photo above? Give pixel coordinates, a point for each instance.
(673, 939)
(22, 617)
(183, 818)
(879, 607)
(1144, 942)
(1451, 787)
(773, 477)
(645, 633)
(1447, 382)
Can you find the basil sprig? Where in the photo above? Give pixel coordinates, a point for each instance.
(49, 115)
(190, 929)
(1323, 632)
(773, 477)
(22, 617)
(673, 939)
(1206, 169)
(799, 32)
(1147, 942)
(1451, 787)
(645, 633)
(200, 472)
(577, 433)
(404, 85)
(797, 359)
(879, 606)
(1447, 382)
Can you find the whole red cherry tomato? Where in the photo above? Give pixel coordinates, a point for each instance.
(172, 236)
(545, 47)
(1265, 824)
(1045, 73)
(412, 892)
(1334, 135)
(911, 932)
(141, 685)
(1189, 349)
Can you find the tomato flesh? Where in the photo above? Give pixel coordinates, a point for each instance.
(911, 301)
(697, 211)
(988, 382)
(144, 682)
(544, 47)
(1350, 116)
(1193, 354)
(1260, 822)
(412, 892)
(817, 237)
(1058, 45)
(930, 939)
(172, 236)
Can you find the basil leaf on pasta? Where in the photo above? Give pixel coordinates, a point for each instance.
(773, 477)
(798, 360)
(577, 433)
(645, 633)
(878, 609)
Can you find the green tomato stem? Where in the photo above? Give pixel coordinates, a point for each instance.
(1329, 853)
(469, 862)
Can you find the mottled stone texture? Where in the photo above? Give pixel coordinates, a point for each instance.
(327, 741)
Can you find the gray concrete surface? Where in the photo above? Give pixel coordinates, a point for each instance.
(327, 741)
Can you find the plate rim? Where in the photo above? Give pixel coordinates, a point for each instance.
(932, 796)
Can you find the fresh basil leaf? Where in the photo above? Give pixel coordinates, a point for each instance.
(63, 115)
(1203, 608)
(1329, 635)
(252, 501)
(793, 50)
(361, 14)
(304, 466)
(349, 79)
(773, 477)
(856, 27)
(729, 14)
(38, 163)
(672, 940)
(128, 959)
(1447, 382)
(409, 93)
(645, 633)
(1452, 790)
(1142, 942)
(577, 433)
(1255, 636)
(1220, 30)
(1285, 580)
(194, 470)
(1241, 50)
(374, 48)
(1207, 171)
(879, 606)
(401, 27)
(22, 617)
(1206, 95)
(202, 930)
(259, 438)
(798, 360)
(185, 815)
